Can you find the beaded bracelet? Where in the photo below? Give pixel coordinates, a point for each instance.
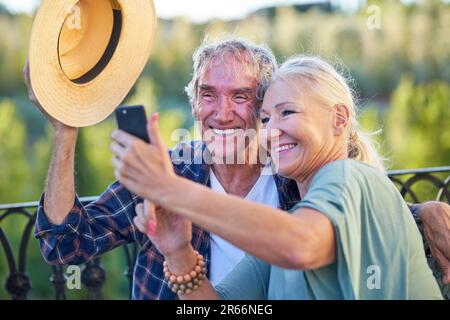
(191, 281)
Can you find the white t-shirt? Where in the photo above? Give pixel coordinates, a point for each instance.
(224, 255)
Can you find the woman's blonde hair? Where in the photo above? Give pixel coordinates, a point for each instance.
(331, 88)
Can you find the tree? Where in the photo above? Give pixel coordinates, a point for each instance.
(14, 169)
(418, 124)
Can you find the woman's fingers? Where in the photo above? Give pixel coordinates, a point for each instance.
(145, 217)
(118, 149)
(123, 138)
(127, 181)
(127, 171)
(148, 218)
(139, 220)
(129, 154)
(150, 212)
(139, 225)
(154, 132)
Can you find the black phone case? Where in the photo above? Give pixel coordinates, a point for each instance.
(132, 119)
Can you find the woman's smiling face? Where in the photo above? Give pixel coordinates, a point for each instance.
(298, 129)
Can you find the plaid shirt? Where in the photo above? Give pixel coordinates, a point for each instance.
(107, 223)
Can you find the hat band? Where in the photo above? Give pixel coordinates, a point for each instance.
(109, 51)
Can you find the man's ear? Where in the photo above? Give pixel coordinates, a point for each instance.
(341, 119)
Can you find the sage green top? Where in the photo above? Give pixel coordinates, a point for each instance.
(379, 251)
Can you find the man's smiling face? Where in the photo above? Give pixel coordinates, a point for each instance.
(226, 105)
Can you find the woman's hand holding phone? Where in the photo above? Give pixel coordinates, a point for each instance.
(144, 169)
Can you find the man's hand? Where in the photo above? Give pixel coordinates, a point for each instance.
(57, 125)
(435, 218)
(169, 232)
(144, 169)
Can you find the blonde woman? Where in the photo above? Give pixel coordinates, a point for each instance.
(351, 236)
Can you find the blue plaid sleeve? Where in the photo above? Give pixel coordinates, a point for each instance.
(88, 231)
(414, 208)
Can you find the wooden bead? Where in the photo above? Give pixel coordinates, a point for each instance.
(189, 282)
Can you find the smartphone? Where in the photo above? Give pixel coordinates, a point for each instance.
(132, 119)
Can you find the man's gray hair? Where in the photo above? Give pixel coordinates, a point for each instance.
(259, 58)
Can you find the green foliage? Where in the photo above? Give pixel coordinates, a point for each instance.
(418, 124)
(13, 155)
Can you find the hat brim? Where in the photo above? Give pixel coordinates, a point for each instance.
(85, 104)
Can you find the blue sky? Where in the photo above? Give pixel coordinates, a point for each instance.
(196, 10)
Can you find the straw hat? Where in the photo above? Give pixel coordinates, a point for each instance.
(86, 55)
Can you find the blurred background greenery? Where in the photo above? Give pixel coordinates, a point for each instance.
(401, 72)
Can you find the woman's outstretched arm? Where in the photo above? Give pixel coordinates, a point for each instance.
(303, 240)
